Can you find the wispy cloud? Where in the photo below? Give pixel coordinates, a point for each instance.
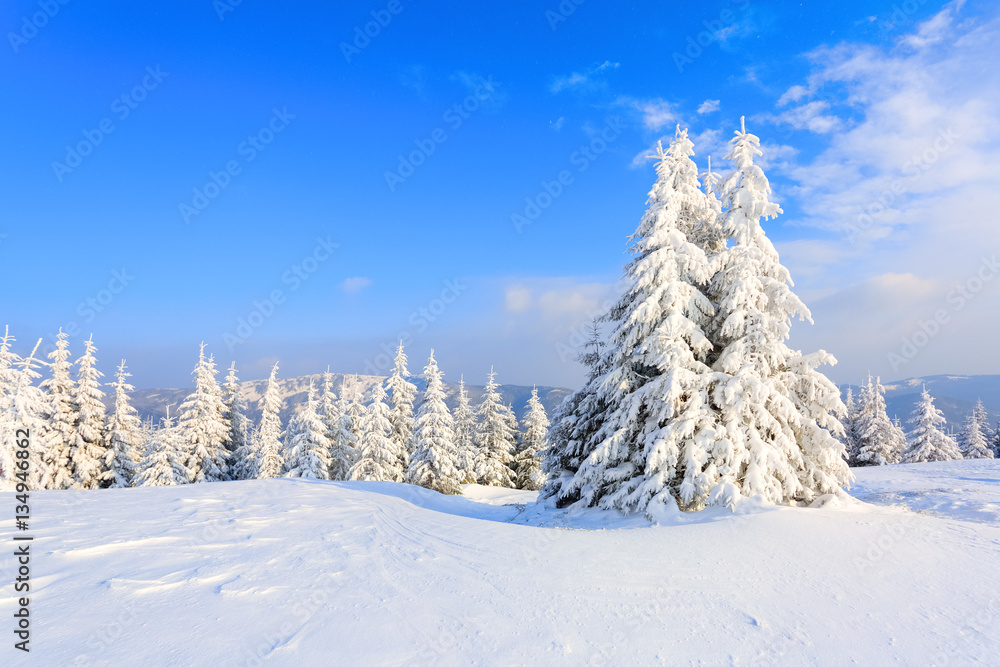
(355, 284)
(708, 106)
(588, 78)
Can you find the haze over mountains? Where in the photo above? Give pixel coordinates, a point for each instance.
(954, 395)
(153, 403)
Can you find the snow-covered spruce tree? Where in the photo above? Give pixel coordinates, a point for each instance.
(309, 448)
(401, 395)
(434, 463)
(995, 441)
(778, 435)
(974, 443)
(88, 455)
(163, 461)
(203, 426)
(575, 424)
(355, 409)
(534, 440)
(880, 442)
(21, 407)
(465, 435)
(850, 423)
(60, 418)
(343, 443)
(242, 463)
(268, 454)
(495, 439)
(927, 441)
(378, 454)
(707, 233)
(658, 428)
(124, 434)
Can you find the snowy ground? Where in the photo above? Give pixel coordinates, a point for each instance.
(290, 572)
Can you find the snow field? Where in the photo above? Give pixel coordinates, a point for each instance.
(290, 571)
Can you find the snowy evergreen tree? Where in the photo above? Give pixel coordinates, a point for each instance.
(708, 234)
(880, 442)
(402, 394)
(356, 409)
(777, 412)
(465, 435)
(850, 423)
(267, 441)
(534, 440)
(653, 440)
(60, 418)
(995, 441)
(575, 424)
(163, 461)
(974, 442)
(495, 439)
(21, 407)
(927, 441)
(242, 462)
(343, 443)
(379, 455)
(88, 454)
(203, 426)
(308, 446)
(434, 464)
(124, 434)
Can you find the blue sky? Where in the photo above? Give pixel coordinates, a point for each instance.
(492, 102)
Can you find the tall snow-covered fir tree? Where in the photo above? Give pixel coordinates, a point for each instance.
(495, 439)
(658, 426)
(974, 442)
(778, 427)
(465, 435)
(268, 452)
(163, 461)
(402, 394)
(434, 463)
(574, 425)
(927, 441)
(534, 440)
(308, 445)
(880, 442)
(379, 455)
(850, 423)
(21, 407)
(242, 463)
(203, 426)
(124, 434)
(60, 418)
(88, 454)
(343, 443)
(355, 408)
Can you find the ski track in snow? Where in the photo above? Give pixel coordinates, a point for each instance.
(290, 572)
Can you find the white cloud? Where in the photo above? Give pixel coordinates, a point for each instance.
(355, 284)
(582, 80)
(708, 106)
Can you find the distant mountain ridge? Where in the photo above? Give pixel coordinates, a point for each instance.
(154, 403)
